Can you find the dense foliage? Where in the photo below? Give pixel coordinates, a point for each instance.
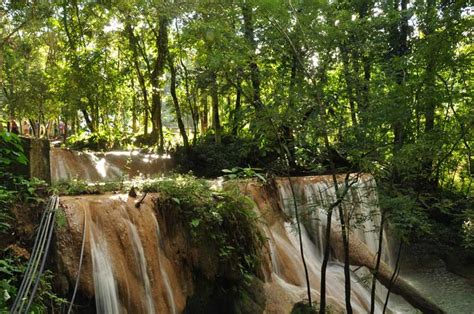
(15, 191)
(225, 219)
(223, 227)
(385, 83)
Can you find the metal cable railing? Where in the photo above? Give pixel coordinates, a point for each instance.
(35, 267)
(84, 228)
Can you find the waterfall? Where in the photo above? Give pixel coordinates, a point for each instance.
(130, 256)
(105, 287)
(140, 256)
(314, 196)
(67, 165)
(164, 275)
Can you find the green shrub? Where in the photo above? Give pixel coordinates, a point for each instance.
(93, 141)
(225, 219)
(6, 198)
(12, 269)
(244, 173)
(79, 187)
(207, 159)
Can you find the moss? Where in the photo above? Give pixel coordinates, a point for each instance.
(61, 219)
(303, 308)
(222, 296)
(252, 298)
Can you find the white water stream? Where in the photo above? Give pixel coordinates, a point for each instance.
(313, 198)
(105, 287)
(164, 275)
(140, 256)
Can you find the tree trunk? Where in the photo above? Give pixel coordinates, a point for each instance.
(141, 79)
(236, 115)
(177, 108)
(360, 255)
(216, 124)
(399, 48)
(204, 112)
(191, 103)
(349, 85)
(254, 70)
(162, 46)
(377, 265)
(430, 101)
(157, 119)
(88, 120)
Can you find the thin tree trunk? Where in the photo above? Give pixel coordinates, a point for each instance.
(191, 102)
(345, 235)
(215, 108)
(157, 119)
(298, 225)
(134, 107)
(88, 120)
(236, 115)
(349, 85)
(254, 70)
(347, 278)
(399, 48)
(141, 79)
(146, 119)
(162, 46)
(377, 265)
(204, 112)
(286, 127)
(427, 179)
(177, 108)
(396, 271)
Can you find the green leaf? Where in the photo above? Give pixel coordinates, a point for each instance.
(195, 222)
(176, 200)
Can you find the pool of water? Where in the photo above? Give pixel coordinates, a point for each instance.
(449, 291)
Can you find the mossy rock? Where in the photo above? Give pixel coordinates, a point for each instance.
(222, 295)
(303, 308)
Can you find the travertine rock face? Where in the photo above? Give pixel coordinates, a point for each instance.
(128, 239)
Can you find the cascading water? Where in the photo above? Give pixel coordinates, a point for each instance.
(314, 195)
(67, 165)
(164, 275)
(140, 256)
(124, 268)
(105, 287)
(154, 274)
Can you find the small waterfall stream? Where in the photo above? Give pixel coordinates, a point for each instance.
(107, 300)
(124, 268)
(164, 275)
(140, 256)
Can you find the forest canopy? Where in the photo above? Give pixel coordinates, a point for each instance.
(384, 86)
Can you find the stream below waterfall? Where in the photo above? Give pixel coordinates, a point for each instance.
(451, 292)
